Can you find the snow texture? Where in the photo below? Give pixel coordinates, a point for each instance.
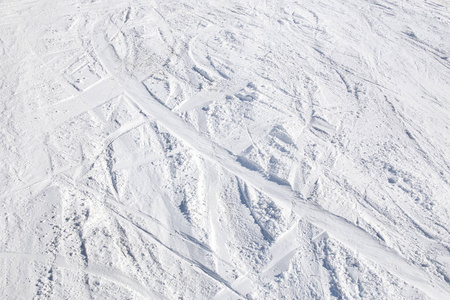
(273, 149)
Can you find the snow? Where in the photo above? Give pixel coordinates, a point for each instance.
(225, 150)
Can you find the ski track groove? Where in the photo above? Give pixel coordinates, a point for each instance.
(179, 234)
(204, 269)
(345, 232)
(152, 109)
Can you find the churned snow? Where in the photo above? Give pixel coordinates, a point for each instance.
(225, 149)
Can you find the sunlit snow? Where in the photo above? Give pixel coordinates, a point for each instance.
(272, 149)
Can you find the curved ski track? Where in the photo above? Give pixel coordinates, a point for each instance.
(116, 82)
(345, 232)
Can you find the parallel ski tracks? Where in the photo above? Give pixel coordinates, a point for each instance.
(342, 230)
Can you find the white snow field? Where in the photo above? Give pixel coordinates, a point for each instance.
(272, 149)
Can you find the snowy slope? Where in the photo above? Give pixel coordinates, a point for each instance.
(225, 149)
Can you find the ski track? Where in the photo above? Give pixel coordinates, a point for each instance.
(348, 234)
(143, 142)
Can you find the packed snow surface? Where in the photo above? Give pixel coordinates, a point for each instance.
(272, 149)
